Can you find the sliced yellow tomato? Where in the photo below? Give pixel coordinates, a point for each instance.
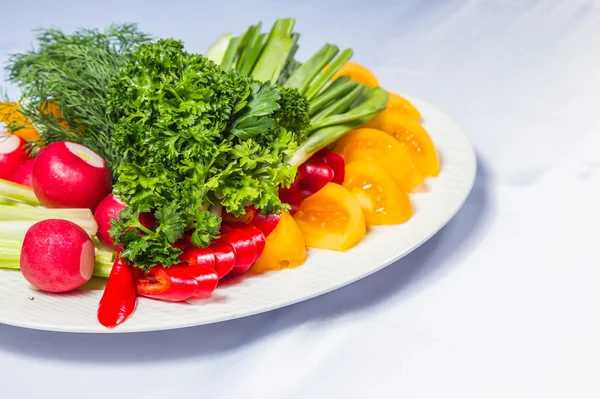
(383, 201)
(284, 247)
(366, 144)
(411, 135)
(10, 114)
(398, 103)
(332, 218)
(357, 73)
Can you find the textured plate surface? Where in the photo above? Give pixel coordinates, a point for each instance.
(323, 271)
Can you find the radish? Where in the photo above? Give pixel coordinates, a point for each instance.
(109, 208)
(69, 175)
(12, 153)
(57, 256)
(22, 175)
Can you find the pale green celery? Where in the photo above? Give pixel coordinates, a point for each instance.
(230, 54)
(275, 52)
(304, 75)
(376, 103)
(325, 77)
(321, 139)
(250, 49)
(6, 201)
(10, 253)
(340, 106)
(217, 51)
(15, 221)
(17, 192)
(330, 96)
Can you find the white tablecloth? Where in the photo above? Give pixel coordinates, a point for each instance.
(502, 303)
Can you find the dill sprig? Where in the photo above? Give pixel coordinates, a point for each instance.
(74, 72)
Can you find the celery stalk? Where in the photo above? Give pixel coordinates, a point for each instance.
(275, 52)
(217, 51)
(248, 49)
(10, 253)
(230, 53)
(17, 192)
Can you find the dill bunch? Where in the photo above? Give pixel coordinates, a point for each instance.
(64, 84)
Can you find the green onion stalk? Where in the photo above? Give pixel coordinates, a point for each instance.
(337, 106)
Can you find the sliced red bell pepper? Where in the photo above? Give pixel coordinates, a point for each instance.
(224, 257)
(312, 177)
(119, 299)
(173, 284)
(266, 223)
(291, 196)
(334, 160)
(245, 218)
(206, 277)
(244, 246)
(198, 256)
(257, 236)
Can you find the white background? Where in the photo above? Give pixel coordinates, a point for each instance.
(502, 303)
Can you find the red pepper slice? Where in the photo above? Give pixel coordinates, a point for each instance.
(291, 196)
(206, 277)
(198, 256)
(244, 246)
(257, 236)
(334, 160)
(245, 218)
(119, 299)
(266, 223)
(172, 284)
(312, 177)
(224, 257)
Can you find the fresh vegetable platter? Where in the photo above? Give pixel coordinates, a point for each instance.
(145, 187)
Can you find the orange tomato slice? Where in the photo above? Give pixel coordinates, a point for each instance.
(367, 144)
(284, 247)
(332, 218)
(383, 201)
(412, 136)
(10, 114)
(357, 73)
(398, 103)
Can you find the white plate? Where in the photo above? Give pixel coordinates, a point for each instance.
(323, 271)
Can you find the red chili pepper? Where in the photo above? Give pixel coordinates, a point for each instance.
(173, 284)
(119, 299)
(291, 196)
(206, 278)
(334, 160)
(266, 223)
(244, 246)
(224, 257)
(312, 177)
(257, 236)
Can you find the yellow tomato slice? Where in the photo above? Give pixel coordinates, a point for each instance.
(284, 247)
(383, 201)
(411, 135)
(367, 144)
(10, 114)
(358, 73)
(398, 103)
(332, 218)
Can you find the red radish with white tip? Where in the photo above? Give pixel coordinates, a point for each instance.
(110, 207)
(69, 175)
(23, 174)
(12, 153)
(57, 256)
